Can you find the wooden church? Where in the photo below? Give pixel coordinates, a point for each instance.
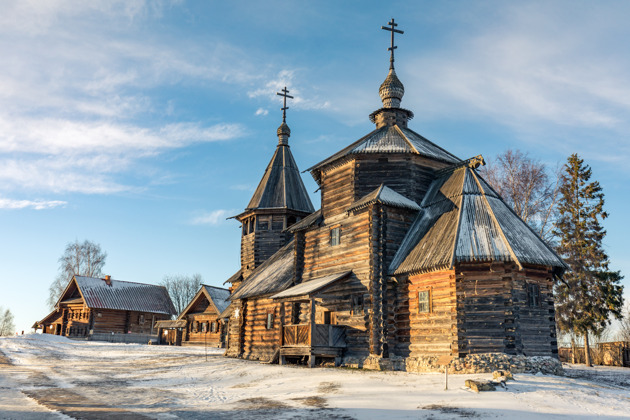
(412, 254)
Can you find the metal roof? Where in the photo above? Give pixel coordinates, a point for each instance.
(281, 185)
(387, 196)
(272, 276)
(124, 295)
(310, 286)
(391, 139)
(238, 276)
(464, 219)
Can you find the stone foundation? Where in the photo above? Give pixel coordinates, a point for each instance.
(475, 363)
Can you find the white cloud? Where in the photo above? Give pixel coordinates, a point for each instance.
(10, 204)
(261, 111)
(213, 218)
(285, 78)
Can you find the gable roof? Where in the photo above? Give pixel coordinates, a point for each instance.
(390, 139)
(216, 296)
(387, 196)
(272, 276)
(464, 219)
(281, 186)
(122, 295)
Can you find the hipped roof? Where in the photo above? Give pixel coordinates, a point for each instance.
(281, 186)
(385, 195)
(122, 295)
(272, 276)
(463, 219)
(390, 139)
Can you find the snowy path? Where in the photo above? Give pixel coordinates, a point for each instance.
(45, 376)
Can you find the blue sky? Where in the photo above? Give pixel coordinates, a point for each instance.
(142, 125)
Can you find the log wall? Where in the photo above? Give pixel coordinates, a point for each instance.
(199, 325)
(433, 333)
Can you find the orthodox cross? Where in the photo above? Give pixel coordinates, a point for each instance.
(392, 29)
(284, 108)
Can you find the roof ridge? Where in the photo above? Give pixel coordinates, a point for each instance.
(404, 136)
(458, 223)
(496, 222)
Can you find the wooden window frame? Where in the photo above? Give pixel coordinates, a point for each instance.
(335, 236)
(141, 319)
(269, 321)
(534, 299)
(429, 301)
(213, 327)
(357, 303)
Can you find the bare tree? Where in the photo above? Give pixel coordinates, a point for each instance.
(182, 289)
(7, 326)
(528, 186)
(79, 259)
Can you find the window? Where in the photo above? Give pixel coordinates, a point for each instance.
(245, 227)
(204, 327)
(270, 321)
(335, 236)
(251, 224)
(357, 305)
(141, 319)
(533, 295)
(424, 302)
(263, 224)
(330, 318)
(196, 326)
(295, 313)
(213, 327)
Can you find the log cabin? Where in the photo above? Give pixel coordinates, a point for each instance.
(201, 319)
(412, 254)
(91, 306)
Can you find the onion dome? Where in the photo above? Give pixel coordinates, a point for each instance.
(391, 90)
(284, 132)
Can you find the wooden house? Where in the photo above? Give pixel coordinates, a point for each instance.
(411, 254)
(90, 306)
(201, 319)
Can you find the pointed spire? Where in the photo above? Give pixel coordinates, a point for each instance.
(284, 132)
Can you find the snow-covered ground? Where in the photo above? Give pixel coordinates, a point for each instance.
(43, 376)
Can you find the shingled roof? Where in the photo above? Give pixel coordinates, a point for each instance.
(464, 219)
(272, 276)
(123, 295)
(390, 139)
(385, 195)
(281, 186)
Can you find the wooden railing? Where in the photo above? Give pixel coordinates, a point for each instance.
(322, 335)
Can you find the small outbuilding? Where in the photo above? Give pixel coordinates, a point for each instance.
(202, 322)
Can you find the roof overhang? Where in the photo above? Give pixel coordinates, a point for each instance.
(310, 288)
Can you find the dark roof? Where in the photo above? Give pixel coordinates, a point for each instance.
(387, 196)
(219, 296)
(463, 219)
(281, 186)
(55, 314)
(124, 295)
(272, 276)
(310, 286)
(391, 139)
(308, 221)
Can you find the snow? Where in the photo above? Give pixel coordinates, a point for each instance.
(45, 376)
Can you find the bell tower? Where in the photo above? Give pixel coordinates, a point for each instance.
(279, 201)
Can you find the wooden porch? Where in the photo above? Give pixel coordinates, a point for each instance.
(312, 340)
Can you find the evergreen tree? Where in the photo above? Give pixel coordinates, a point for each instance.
(589, 293)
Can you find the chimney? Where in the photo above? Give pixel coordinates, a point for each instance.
(108, 280)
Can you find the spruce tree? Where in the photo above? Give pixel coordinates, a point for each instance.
(589, 293)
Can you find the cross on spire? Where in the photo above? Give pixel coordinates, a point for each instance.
(284, 108)
(392, 29)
